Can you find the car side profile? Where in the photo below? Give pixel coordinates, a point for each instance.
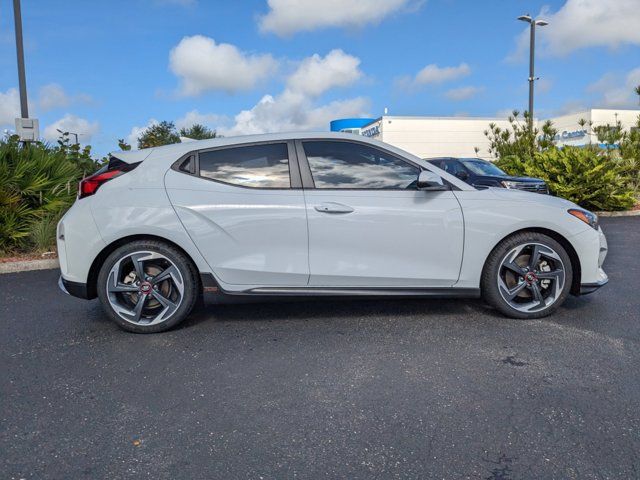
(329, 214)
(482, 174)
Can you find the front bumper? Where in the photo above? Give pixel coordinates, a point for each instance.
(75, 289)
(586, 288)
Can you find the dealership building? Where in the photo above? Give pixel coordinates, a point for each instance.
(428, 137)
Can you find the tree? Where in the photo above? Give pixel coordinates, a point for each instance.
(637, 90)
(609, 134)
(163, 133)
(123, 145)
(521, 139)
(198, 131)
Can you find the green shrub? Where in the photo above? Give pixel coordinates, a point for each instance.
(37, 184)
(586, 176)
(42, 234)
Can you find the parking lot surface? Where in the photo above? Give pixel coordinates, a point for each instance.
(325, 389)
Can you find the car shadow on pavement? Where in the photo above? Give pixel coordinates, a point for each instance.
(330, 308)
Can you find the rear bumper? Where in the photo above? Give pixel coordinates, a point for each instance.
(75, 289)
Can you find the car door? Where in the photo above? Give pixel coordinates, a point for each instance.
(369, 225)
(244, 208)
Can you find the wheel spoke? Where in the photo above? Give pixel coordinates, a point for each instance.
(138, 264)
(514, 267)
(165, 274)
(537, 294)
(535, 257)
(552, 275)
(164, 301)
(137, 311)
(511, 293)
(122, 287)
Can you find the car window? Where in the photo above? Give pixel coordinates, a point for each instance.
(452, 166)
(482, 167)
(258, 166)
(357, 166)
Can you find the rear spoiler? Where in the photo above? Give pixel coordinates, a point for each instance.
(132, 156)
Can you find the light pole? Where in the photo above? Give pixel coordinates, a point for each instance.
(68, 133)
(22, 78)
(532, 48)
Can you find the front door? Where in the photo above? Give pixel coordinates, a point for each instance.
(369, 225)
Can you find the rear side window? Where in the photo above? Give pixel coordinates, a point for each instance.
(257, 166)
(346, 165)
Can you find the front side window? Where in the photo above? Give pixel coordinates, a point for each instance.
(346, 165)
(257, 166)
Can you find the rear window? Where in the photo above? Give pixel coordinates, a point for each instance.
(256, 166)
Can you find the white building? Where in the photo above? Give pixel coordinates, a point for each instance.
(429, 137)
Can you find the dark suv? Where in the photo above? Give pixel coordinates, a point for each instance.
(483, 174)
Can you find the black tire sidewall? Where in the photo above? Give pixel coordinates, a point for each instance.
(489, 285)
(182, 263)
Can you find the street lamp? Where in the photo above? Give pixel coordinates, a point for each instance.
(68, 133)
(532, 47)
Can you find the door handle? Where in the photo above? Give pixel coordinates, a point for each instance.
(333, 207)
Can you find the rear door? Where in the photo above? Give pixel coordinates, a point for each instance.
(369, 226)
(244, 208)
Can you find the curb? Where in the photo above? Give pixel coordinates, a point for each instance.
(27, 265)
(628, 213)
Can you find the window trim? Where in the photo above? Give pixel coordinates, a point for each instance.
(307, 177)
(295, 182)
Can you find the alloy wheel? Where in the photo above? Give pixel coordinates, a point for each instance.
(145, 288)
(531, 277)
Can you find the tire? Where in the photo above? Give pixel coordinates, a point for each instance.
(518, 285)
(159, 301)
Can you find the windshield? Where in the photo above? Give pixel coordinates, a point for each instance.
(481, 167)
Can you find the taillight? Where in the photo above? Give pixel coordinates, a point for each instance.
(90, 185)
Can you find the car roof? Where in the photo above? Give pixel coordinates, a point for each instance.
(179, 149)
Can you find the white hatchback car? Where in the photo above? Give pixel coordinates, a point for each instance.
(313, 214)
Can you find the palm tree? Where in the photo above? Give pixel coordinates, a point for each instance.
(637, 90)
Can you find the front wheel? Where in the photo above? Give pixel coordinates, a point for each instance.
(527, 275)
(147, 286)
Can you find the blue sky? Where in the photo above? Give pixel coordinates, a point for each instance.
(107, 69)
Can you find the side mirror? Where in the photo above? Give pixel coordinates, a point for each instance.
(462, 175)
(428, 180)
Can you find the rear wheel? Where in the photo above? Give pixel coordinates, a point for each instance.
(147, 286)
(528, 275)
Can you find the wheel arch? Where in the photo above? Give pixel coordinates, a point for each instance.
(94, 270)
(562, 240)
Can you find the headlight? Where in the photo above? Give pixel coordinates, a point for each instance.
(508, 184)
(586, 216)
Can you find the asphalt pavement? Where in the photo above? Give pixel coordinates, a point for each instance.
(325, 389)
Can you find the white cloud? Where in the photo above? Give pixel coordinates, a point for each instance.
(291, 111)
(194, 116)
(132, 138)
(614, 91)
(433, 74)
(463, 93)
(286, 17)
(315, 75)
(585, 23)
(295, 108)
(9, 107)
(53, 96)
(204, 65)
(72, 123)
